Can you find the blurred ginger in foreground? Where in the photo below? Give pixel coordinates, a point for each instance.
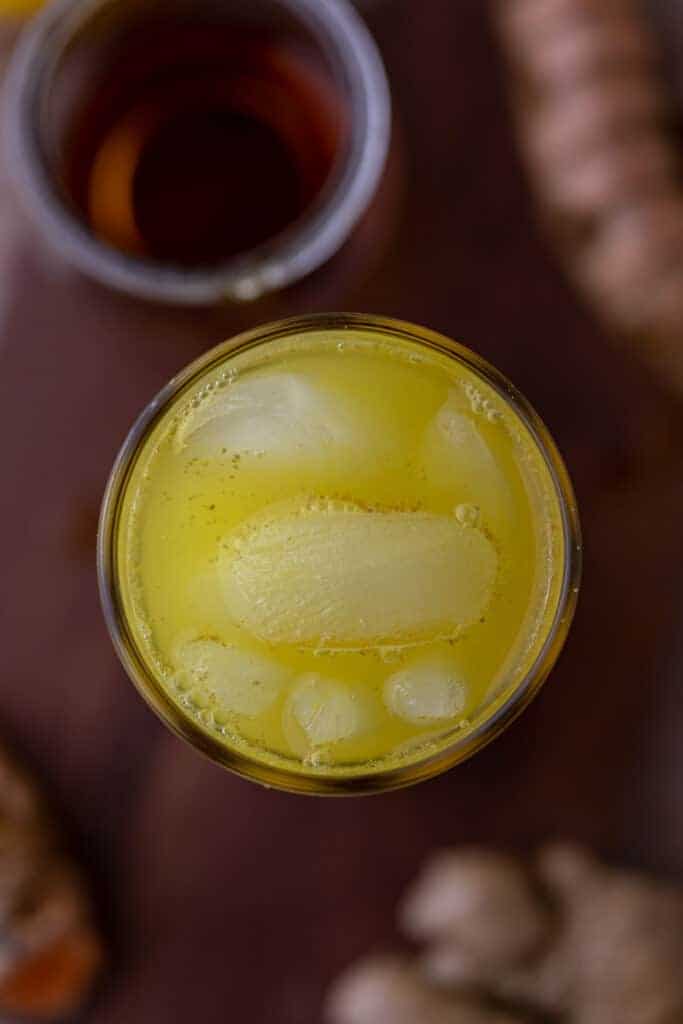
(569, 940)
(49, 950)
(596, 126)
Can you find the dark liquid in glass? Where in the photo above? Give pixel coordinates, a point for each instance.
(201, 141)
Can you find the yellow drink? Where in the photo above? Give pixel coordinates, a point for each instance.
(338, 555)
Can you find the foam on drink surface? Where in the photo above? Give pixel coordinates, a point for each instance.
(335, 554)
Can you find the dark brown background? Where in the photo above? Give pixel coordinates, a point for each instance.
(224, 901)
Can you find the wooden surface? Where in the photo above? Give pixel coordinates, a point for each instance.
(224, 901)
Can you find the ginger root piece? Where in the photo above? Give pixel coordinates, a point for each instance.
(632, 254)
(595, 129)
(533, 22)
(49, 949)
(581, 50)
(595, 946)
(388, 990)
(480, 899)
(622, 939)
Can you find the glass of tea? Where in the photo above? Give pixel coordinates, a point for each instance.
(339, 554)
(195, 151)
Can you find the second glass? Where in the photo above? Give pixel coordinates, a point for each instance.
(197, 151)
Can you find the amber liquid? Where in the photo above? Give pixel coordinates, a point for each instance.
(199, 142)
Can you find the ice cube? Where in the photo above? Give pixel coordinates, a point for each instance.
(456, 455)
(279, 415)
(428, 689)
(242, 682)
(336, 576)
(326, 710)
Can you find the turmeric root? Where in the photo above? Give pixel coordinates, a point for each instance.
(49, 948)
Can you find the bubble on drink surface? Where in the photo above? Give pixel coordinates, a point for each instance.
(456, 455)
(331, 575)
(240, 681)
(421, 743)
(326, 710)
(279, 415)
(429, 689)
(467, 515)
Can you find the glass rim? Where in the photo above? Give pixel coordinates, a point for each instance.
(306, 244)
(239, 762)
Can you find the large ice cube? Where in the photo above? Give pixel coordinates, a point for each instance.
(338, 576)
(280, 415)
(242, 682)
(326, 710)
(428, 689)
(455, 455)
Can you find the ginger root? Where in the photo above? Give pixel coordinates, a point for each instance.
(595, 130)
(49, 948)
(388, 990)
(480, 899)
(567, 940)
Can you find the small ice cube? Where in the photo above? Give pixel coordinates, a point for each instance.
(456, 455)
(336, 576)
(428, 689)
(279, 415)
(243, 682)
(326, 710)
